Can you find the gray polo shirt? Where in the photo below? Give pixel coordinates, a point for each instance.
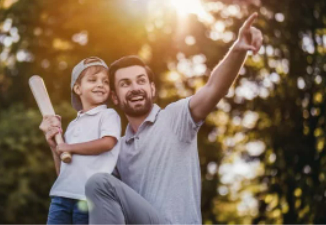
(160, 162)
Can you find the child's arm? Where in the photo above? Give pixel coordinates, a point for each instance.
(95, 147)
(110, 131)
(51, 125)
(57, 161)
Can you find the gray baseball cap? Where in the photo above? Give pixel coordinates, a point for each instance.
(76, 72)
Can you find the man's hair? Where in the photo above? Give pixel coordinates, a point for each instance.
(128, 61)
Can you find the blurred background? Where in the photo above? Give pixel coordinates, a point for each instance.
(262, 151)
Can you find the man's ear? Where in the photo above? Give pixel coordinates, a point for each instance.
(77, 89)
(114, 98)
(153, 89)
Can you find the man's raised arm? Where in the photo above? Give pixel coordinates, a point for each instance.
(223, 75)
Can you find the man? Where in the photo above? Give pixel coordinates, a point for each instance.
(158, 163)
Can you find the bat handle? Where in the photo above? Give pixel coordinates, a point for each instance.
(65, 156)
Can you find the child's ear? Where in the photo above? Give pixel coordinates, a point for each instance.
(77, 89)
(114, 98)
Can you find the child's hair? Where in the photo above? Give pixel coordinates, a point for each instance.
(92, 70)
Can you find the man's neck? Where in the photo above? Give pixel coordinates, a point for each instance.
(135, 122)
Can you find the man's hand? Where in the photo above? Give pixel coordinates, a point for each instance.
(250, 38)
(223, 75)
(51, 125)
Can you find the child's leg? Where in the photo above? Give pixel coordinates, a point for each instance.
(60, 211)
(80, 213)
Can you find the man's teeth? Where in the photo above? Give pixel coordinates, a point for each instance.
(138, 98)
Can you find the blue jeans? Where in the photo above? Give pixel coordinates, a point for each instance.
(67, 211)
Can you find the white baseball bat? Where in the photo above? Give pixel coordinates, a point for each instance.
(42, 98)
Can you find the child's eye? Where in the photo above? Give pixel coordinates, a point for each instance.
(91, 80)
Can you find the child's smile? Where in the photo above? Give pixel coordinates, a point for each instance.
(94, 90)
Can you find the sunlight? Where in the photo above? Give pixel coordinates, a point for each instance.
(173, 76)
(186, 7)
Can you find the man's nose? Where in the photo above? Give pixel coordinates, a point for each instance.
(135, 86)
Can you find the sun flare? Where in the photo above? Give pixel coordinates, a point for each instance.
(184, 7)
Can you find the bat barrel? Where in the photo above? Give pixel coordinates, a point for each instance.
(43, 101)
(65, 157)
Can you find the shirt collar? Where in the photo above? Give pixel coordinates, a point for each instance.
(93, 111)
(150, 118)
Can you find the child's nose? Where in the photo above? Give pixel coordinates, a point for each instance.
(100, 83)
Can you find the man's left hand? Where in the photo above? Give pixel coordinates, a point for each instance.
(250, 38)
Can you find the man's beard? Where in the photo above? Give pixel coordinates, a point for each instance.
(136, 111)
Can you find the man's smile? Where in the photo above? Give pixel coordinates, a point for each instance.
(136, 98)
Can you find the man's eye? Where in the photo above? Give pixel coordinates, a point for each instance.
(142, 81)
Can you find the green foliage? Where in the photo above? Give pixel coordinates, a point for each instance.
(26, 167)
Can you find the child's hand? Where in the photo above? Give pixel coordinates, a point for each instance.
(51, 125)
(63, 148)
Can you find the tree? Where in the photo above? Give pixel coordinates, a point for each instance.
(261, 151)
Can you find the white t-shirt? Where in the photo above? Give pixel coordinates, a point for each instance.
(94, 124)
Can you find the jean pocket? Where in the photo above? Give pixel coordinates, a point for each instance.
(59, 211)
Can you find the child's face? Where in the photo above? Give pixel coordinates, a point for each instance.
(93, 89)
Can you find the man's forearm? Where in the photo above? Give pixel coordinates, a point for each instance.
(218, 84)
(224, 74)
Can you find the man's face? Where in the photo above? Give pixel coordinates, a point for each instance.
(134, 93)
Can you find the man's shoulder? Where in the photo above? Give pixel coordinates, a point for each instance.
(173, 106)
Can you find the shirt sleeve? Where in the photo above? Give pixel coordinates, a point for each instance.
(110, 124)
(181, 120)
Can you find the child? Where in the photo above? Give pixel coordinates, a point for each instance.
(91, 138)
